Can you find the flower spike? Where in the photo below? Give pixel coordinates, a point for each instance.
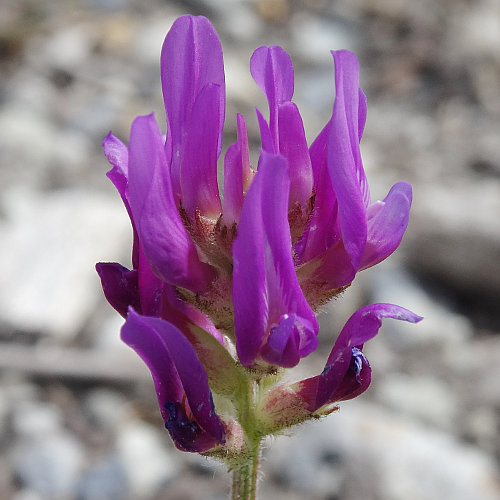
(224, 288)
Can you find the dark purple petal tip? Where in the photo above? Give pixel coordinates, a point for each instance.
(120, 286)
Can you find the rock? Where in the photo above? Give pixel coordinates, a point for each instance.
(49, 464)
(105, 479)
(314, 37)
(421, 397)
(26, 495)
(106, 408)
(449, 234)
(32, 419)
(67, 48)
(370, 453)
(239, 20)
(51, 150)
(50, 246)
(148, 465)
(306, 463)
(476, 32)
(440, 327)
(409, 461)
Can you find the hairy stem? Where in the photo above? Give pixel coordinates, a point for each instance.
(244, 485)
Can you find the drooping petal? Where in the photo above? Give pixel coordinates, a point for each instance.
(120, 286)
(266, 292)
(199, 189)
(191, 58)
(166, 242)
(293, 146)
(362, 326)
(272, 70)
(388, 224)
(237, 174)
(180, 381)
(346, 375)
(344, 160)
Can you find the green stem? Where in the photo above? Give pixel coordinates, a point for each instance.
(244, 486)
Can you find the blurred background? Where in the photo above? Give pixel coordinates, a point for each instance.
(79, 419)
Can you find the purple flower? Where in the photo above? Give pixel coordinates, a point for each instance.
(181, 382)
(347, 373)
(251, 271)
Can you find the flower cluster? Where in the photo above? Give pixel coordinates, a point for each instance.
(223, 293)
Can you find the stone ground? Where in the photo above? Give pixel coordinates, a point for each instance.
(77, 409)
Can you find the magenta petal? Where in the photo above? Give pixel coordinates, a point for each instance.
(272, 70)
(249, 278)
(120, 286)
(180, 381)
(245, 156)
(362, 119)
(117, 154)
(191, 58)
(322, 231)
(387, 226)
(293, 146)
(354, 106)
(265, 286)
(285, 294)
(237, 174)
(356, 380)
(332, 268)
(344, 161)
(282, 346)
(233, 184)
(362, 326)
(265, 134)
(150, 287)
(318, 153)
(199, 189)
(166, 242)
